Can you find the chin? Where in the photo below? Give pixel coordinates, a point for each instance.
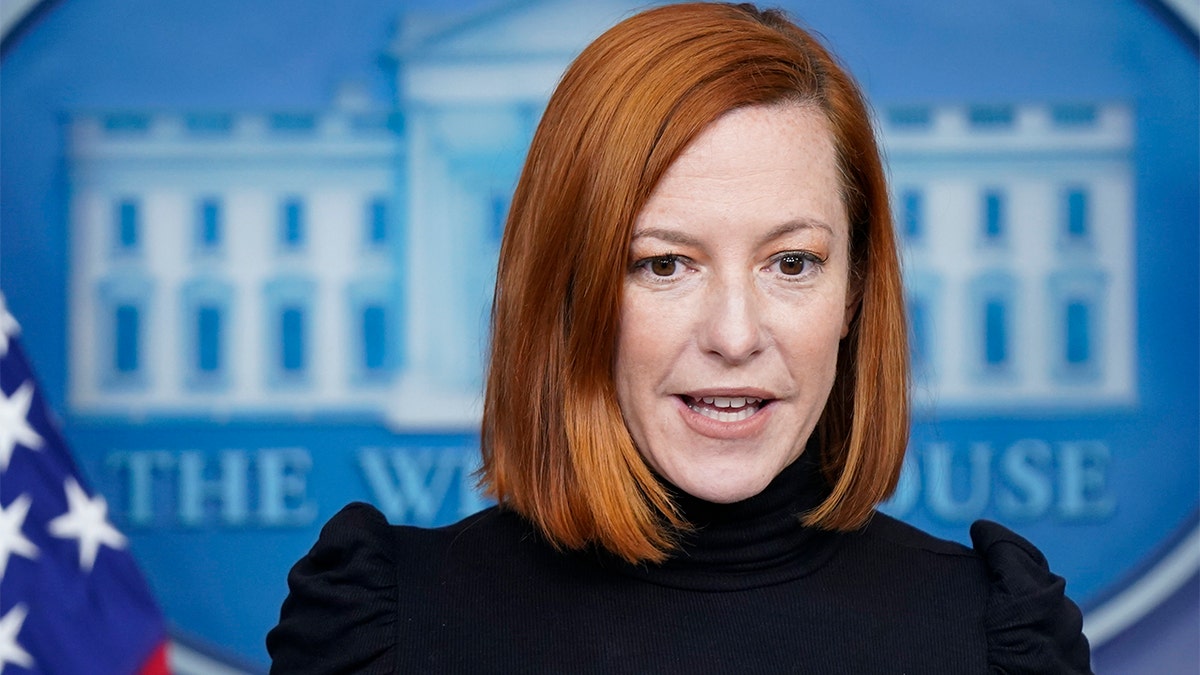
(722, 489)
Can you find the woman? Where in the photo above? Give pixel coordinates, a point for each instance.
(696, 399)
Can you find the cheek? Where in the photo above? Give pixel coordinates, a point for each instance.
(651, 341)
(635, 352)
(649, 325)
(813, 335)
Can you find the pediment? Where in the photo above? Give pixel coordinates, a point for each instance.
(515, 28)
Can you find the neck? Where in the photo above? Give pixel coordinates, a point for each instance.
(753, 542)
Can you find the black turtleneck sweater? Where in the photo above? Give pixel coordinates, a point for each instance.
(751, 591)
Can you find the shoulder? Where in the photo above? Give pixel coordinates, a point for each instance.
(1032, 625)
(908, 568)
(889, 531)
(935, 566)
(343, 595)
(338, 604)
(1002, 580)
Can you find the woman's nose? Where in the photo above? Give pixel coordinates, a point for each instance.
(733, 324)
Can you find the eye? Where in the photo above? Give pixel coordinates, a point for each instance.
(792, 264)
(662, 266)
(667, 268)
(797, 263)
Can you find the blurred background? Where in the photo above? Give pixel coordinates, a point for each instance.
(251, 246)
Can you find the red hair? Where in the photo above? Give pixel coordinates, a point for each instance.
(555, 446)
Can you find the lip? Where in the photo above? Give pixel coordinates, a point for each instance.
(716, 429)
(732, 392)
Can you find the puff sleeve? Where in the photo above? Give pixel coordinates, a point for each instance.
(340, 613)
(1032, 626)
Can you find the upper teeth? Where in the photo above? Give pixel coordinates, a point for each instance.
(730, 401)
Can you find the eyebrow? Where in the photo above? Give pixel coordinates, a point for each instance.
(676, 237)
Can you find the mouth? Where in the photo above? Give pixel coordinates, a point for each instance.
(725, 408)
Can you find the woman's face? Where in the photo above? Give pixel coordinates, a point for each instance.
(735, 300)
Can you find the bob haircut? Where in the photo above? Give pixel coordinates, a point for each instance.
(555, 446)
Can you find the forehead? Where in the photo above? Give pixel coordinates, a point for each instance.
(763, 163)
(764, 128)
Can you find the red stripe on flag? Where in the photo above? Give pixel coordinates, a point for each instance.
(157, 663)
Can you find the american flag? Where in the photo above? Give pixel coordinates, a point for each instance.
(72, 600)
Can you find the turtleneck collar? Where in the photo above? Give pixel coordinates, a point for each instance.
(755, 542)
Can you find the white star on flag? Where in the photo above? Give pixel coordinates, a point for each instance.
(11, 650)
(8, 326)
(12, 539)
(14, 425)
(86, 519)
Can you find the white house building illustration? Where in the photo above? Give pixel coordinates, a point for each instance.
(1018, 225)
(341, 261)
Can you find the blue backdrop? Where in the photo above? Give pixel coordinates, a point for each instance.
(224, 228)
